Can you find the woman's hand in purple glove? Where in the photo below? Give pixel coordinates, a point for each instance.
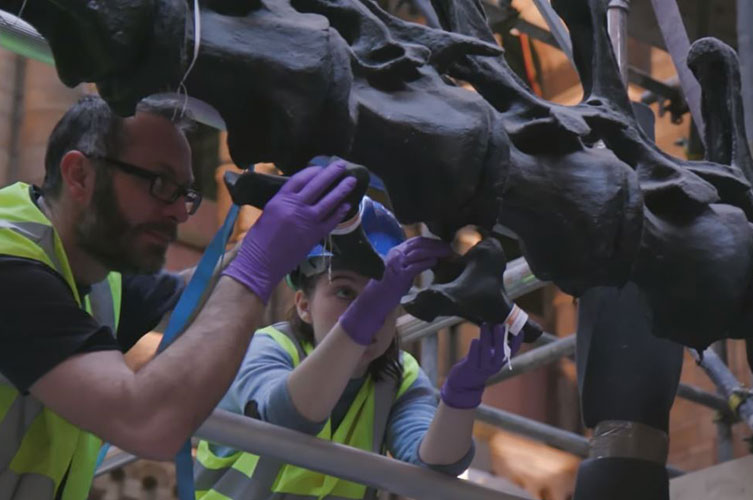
(295, 219)
(467, 379)
(366, 315)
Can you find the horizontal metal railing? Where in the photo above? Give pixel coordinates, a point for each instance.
(739, 399)
(535, 358)
(371, 469)
(115, 459)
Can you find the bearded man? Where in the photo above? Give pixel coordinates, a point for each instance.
(81, 282)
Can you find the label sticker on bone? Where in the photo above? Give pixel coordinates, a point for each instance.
(514, 323)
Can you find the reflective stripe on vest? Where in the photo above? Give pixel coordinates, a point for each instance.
(38, 447)
(242, 476)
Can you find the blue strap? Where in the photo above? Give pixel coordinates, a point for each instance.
(184, 472)
(190, 297)
(101, 457)
(188, 302)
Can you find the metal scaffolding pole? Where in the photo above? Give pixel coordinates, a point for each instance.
(678, 45)
(705, 398)
(303, 450)
(617, 21)
(430, 343)
(115, 461)
(528, 362)
(739, 399)
(556, 28)
(724, 450)
(535, 358)
(548, 434)
(430, 357)
(553, 436)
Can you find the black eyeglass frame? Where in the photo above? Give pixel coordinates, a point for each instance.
(193, 197)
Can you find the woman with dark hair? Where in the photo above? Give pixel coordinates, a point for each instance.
(335, 370)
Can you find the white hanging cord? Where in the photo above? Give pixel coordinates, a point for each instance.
(196, 44)
(329, 252)
(21, 10)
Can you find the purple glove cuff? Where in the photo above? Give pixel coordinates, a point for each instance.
(257, 283)
(463, 399)
(251, 268)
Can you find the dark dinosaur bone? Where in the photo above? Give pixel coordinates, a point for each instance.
(683, 236)
(296, 78)
(470, 286)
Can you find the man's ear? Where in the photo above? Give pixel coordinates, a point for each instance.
(78, 176)
(302, 305)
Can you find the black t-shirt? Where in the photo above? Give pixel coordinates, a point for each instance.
(41, 324)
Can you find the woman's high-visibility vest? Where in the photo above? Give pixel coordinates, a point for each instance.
(38, 448)
(243, 476)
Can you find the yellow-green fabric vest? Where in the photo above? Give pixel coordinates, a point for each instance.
(243, 476)
(37, 447)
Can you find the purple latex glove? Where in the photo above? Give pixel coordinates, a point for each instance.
(365, 316)
(293, 221)
(466, 381)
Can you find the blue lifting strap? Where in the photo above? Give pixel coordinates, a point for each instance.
(188, 302)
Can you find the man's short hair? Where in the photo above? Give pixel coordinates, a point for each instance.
(90, 126)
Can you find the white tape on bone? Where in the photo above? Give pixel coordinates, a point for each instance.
(514, 323)
(516, 320)
(351, 224)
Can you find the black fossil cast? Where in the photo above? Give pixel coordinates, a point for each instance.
(593, 201)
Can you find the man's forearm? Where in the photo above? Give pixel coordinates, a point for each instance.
(152, 412)
(182, 385)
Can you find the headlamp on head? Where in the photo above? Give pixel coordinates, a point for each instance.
(382, 231)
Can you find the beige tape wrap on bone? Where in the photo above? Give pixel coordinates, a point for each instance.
(620, 438)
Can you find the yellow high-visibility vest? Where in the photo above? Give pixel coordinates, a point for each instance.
(244, 476)
(38, 447)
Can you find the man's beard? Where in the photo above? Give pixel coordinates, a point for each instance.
(103, 232)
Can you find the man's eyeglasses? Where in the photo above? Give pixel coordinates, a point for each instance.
(161, 187)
